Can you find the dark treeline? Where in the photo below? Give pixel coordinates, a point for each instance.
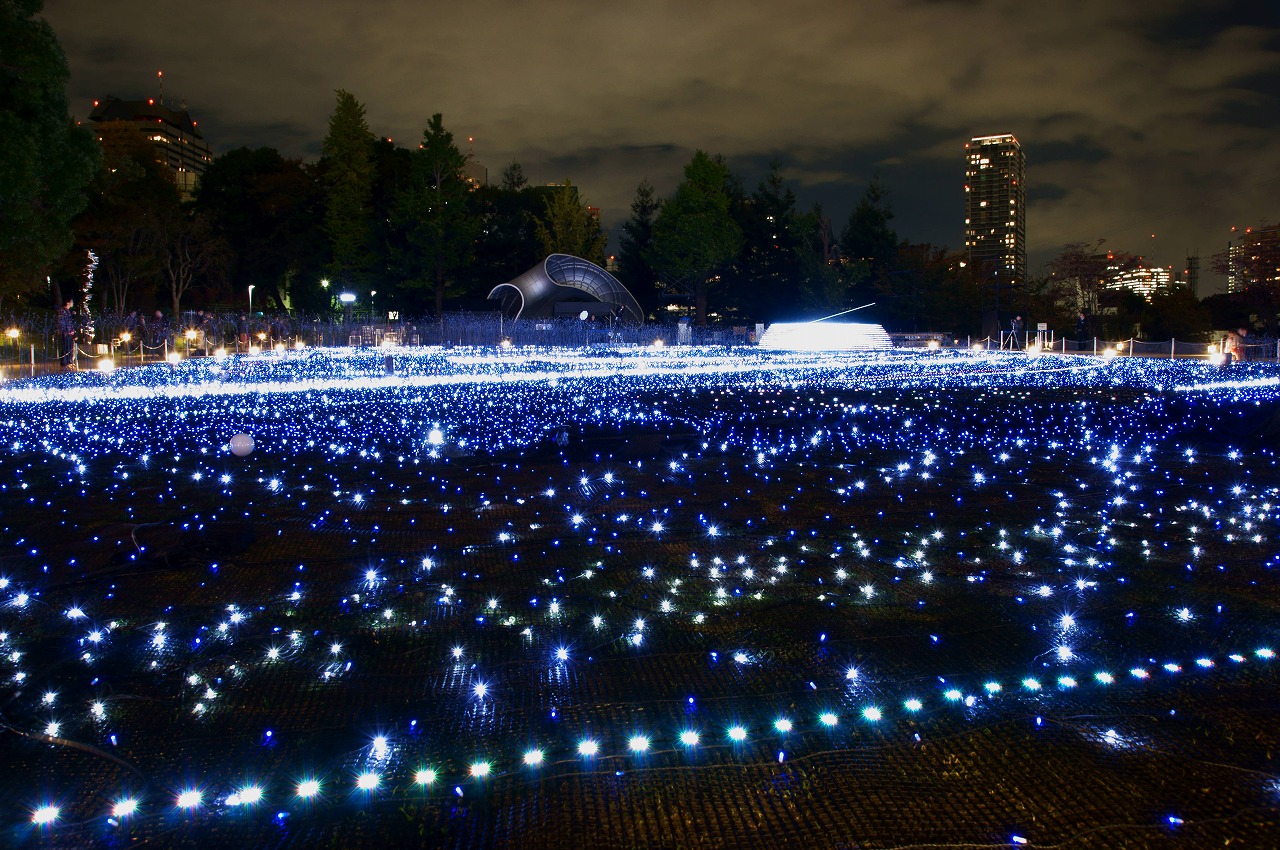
(402, 230)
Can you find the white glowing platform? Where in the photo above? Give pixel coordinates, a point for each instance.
(824, 336)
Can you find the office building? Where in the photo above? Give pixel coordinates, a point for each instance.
(176, 138)
(1133, 273)
(1253, 258)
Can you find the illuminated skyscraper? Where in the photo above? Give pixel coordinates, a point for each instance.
(1253, 258)
(995, 218)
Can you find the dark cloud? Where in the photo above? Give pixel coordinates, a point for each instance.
(1196, 25)
(1150, 116)
(1077, 151)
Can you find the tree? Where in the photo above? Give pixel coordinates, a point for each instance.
(347, 167)
(132, 194)
(1082, 266)
(1053, 301)
(820, 289)
(694, 236)
(867, 243)
(46, 162)
(389, 244)
(567, 226)
(925, 288)
(1174, 313)
(1121, 312)
(507, 243)
(439, 228)
(513, 179)
(191, 254)
(1229, 310)
(767, 271)
(635, 268)
(262, 206)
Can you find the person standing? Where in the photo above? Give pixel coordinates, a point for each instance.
(66, 327)
(1016, 335)
(1082, 330)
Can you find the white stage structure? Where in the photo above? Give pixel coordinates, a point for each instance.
(824, 336)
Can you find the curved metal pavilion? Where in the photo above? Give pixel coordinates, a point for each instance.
(557, 286)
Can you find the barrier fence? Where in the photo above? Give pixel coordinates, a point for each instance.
(30, 344)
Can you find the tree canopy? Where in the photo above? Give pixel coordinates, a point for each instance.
(347, 166)
(567, 226)
(694, 235)
(635, 264)
(263, 205)
(46, 161)
(439, 227)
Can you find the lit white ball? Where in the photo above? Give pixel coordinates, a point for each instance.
(241, 445)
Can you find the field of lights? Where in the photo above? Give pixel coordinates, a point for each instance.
(642, 598)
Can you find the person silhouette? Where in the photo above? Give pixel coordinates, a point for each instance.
(66, 325)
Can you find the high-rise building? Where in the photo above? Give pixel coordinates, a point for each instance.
(995, 218)
(1253, 258)
(1191, 274)
(177, 140)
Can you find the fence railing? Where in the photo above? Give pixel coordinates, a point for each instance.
(1265, 349)
(29, 345)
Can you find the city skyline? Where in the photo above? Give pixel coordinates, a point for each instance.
(1154, 118)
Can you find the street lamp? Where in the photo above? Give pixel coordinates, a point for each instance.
(346, 299)
(372, 292)
(251, 299)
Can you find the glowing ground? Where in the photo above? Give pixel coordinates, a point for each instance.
(642, 599)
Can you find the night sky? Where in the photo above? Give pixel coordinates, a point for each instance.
(1138, 118)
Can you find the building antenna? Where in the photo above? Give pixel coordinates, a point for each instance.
(160, 77)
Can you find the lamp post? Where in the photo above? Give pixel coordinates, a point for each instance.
(372, 317)
(251, 300)
(346, 299)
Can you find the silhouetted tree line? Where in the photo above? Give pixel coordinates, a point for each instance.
(401, 229)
